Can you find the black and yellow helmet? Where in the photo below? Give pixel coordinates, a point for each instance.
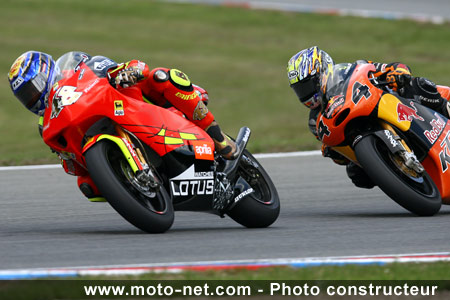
(307, 70)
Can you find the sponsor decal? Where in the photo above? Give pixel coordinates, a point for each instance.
(292, 74)
(437, 125)
(444, 155)
(246, 135)
(16, 83)
(243, 194)
(118, 108)
(90, 86)
(391, 139)
(66, 95)
(179, 77)
(334, 106)
(200, 111)
(406, 113)
(203, 150)
(98, 66)
(191, 183)
(190, 96)
(133, 153)
(15, 68)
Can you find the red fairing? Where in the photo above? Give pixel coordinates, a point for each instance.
(77, 102)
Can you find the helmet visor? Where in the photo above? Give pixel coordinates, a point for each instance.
(306, 91)
(31, 91)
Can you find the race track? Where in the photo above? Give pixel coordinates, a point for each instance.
(45, 222)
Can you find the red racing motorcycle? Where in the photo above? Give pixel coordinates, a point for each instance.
(404, 147)
(148, 162)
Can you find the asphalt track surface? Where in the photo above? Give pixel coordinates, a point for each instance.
(45, 222)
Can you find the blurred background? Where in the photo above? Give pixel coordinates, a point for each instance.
(237, 54)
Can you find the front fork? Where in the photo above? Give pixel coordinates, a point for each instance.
(407, 155)
(144, 173)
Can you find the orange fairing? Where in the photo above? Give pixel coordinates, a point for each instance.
(360, 100)
(445, 91)
(437, 164)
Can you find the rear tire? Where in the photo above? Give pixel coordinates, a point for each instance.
(107, 167)
(419, 195)
(262, 207)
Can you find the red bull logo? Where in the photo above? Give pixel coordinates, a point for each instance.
(406, 113)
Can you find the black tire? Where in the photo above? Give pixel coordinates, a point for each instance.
(106, 164)
(262, 207)
(418, 195)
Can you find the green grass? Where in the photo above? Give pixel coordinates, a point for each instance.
(238, 55)
(396, 274)
(394, 271)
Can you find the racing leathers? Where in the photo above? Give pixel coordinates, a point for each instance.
(396, 77)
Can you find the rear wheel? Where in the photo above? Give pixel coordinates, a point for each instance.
(414, 192)
(149, 209)
(261, 207)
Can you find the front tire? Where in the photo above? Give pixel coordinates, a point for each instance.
(152, 212)
(260, 208)
(418, 194)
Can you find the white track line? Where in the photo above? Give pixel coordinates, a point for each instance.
(136, 269)
(261, 155)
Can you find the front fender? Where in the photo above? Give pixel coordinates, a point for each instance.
(123, 144)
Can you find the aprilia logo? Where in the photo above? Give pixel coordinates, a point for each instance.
(203, 150)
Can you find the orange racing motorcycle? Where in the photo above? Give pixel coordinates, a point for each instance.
(147, 161)
(404, 147)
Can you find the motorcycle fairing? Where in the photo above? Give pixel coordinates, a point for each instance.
(79, 101)
(437, 163)
(331, 129)
(426, 128)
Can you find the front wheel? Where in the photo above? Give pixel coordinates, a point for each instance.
(148, 210)
(261, 207)
(414, 192)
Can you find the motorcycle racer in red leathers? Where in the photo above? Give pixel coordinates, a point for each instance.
(309, 69)
(33, 74)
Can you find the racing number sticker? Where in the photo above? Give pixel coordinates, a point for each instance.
(65, 96)
(359, 91)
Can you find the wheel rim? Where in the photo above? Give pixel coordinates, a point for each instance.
(418, 183)
(152, 200)
(256, 180)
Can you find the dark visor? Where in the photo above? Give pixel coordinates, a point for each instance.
(31, 91)
(28, 94)
(305, 89)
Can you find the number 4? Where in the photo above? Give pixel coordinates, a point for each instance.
(359, 91)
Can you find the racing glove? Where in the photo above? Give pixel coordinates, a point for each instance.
(128, 77)
(398, 78)
(128, 74)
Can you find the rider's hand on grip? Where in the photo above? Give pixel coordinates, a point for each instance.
(398, 78)
(128, 77)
